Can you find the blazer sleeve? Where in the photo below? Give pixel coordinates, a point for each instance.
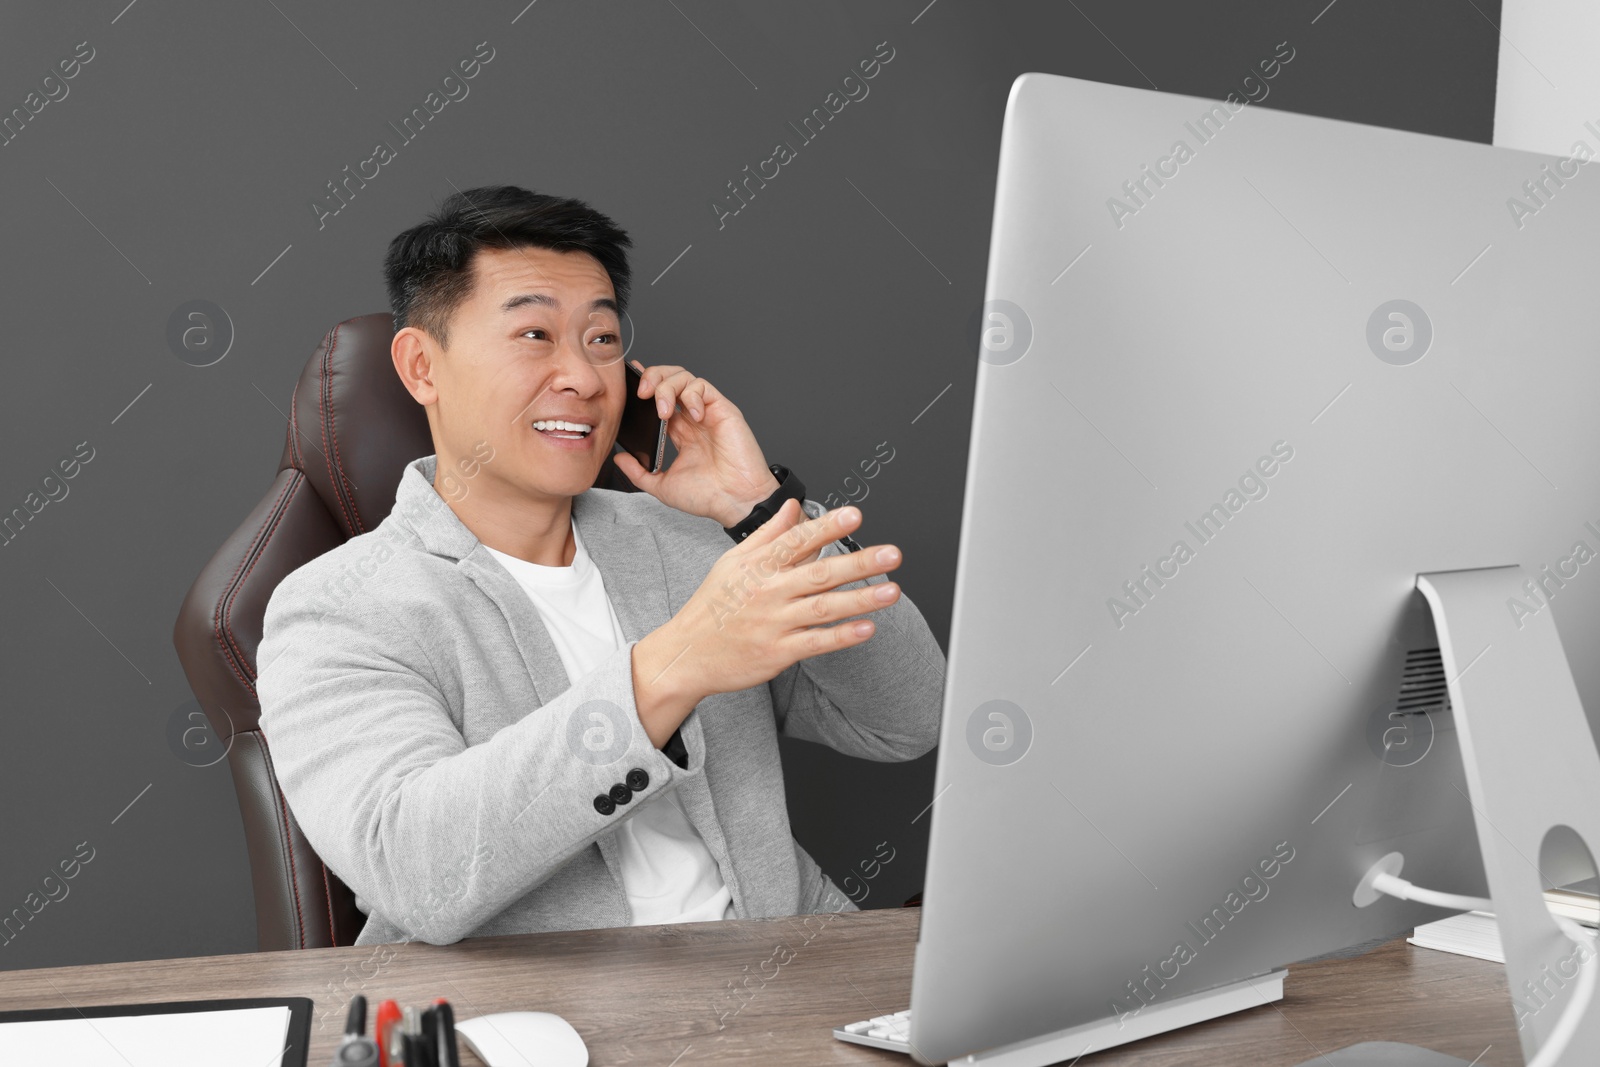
(387, 791)
(880, 700)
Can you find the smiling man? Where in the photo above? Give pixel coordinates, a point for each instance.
(554, 706)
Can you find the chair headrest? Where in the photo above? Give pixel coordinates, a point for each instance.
(353, 426)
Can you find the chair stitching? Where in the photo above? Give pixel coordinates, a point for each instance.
(294, 427)
(327, 889)
(335, 474)
(355, 512)
(221, 625)
(272, 528)
(287, 842)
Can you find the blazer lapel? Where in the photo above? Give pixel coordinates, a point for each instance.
(539, 653)
(629, 560)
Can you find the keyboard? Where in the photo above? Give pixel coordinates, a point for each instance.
(885, 1031)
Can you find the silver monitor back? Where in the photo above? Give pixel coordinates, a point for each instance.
(1232, 398)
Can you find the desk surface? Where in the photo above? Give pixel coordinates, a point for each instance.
(666, 995)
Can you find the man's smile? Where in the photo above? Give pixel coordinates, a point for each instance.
(563, 428)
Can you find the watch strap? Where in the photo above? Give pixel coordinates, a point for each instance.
(789, 487)
(675, 749)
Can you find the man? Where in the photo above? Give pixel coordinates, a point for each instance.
(548, 706)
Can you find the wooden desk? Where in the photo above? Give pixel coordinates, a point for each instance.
(664, 995)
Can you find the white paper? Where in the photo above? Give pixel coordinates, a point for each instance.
(239, 1037)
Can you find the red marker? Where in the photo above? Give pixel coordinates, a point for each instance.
(386, 1032)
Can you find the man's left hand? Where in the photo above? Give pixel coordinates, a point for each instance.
(719, 471)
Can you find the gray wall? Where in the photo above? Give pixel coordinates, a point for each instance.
(182, 164)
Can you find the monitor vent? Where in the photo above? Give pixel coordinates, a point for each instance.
(1422, 686)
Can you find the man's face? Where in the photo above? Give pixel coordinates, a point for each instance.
(538, 339)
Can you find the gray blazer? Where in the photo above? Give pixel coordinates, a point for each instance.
(443, 765)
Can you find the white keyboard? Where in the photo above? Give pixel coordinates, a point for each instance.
(886, 1031)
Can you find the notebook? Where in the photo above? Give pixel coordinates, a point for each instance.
(247, 1033)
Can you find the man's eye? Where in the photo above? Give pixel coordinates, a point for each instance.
(608, 338)
(536, 329)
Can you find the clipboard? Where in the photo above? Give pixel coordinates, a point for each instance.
(296, 1035)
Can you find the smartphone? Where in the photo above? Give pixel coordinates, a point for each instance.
(643, 433)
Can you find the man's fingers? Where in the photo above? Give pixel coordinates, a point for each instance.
(830, 572)
(653, 376)
(669, 394)
(694, 398)
(669, 388)
(822, 639)
(839, 604)
(635, 471)
(651, 380)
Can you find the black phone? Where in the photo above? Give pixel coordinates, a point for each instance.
(643, 433)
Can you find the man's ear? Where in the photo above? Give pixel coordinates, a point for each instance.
(412, 352)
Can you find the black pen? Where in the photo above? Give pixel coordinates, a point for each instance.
(449, 1055)
(429, 1040)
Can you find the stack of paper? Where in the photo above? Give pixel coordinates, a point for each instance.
(248, 1037)
(1475, 933)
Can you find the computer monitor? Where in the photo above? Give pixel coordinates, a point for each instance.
(1244, 376)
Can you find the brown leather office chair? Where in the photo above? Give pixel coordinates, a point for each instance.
(352, 429)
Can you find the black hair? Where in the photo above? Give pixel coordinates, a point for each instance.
(428, 268)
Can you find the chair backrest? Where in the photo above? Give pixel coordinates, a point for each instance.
(352, 429)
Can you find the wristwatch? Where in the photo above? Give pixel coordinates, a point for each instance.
(789, 487)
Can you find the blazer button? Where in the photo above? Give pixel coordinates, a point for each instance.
(637, 779)
(604, 804)
(621, 793)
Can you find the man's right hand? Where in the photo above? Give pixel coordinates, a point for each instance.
(764, 606)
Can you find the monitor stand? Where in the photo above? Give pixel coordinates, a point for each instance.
(1531, 761)
(1060, 1046)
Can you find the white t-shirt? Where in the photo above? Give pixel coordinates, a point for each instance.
(667, 872)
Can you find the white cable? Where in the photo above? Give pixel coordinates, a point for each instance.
(1395, 886)
(1555, 1045)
